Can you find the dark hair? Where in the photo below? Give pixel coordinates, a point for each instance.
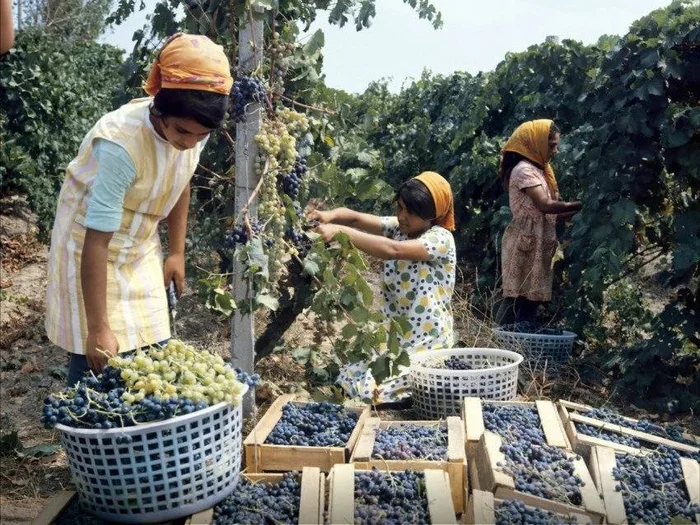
(417, 199)
(510, 159)
(205, 107)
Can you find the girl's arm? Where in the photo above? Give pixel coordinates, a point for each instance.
(547, 205)
(378, 245)
(174, 268)
(347, 217)
(101, 343)
(7, 28)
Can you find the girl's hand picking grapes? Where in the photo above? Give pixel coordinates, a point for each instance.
(324, 217)
(328, 231)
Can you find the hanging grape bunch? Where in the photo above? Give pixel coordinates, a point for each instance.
(246, 90)
(279, 53)
(239, 234)
(291, 182)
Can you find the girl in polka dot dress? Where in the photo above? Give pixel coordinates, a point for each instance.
(418, 277)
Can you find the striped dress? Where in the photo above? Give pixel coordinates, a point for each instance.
(136, 301)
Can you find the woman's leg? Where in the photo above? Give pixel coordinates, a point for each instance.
(525, 310)
(506, 311)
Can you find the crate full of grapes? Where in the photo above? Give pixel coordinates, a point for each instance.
(587, 427)
(477, 413)
(263, 498)
(368, 497)
(659, 486)
(295, 434)
(484, 509)
(514, 461)
(415, 445)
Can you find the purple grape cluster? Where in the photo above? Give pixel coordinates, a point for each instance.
(300, 241)
(246, 90)
(411, 441)
(247, 379)
(537, 468)
(291, 182)
(396, 497)
(96, 403)
(313, 425)
(239, 234)
(261, 503)
(652, 487)
(673, 433)
(608, 435)
(515, 512)
(455, 363)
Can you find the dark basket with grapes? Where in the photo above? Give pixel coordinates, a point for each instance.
(367, 497)
(294, 434)
(541, 347)
(415, 445)
(155, 437)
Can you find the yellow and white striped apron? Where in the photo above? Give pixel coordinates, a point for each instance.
(136, 302)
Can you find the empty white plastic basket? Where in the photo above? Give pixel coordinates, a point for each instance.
(438, 392)
(539, 350)
(170, 469)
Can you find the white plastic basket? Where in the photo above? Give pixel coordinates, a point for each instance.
(170, 469)
(539, 350)
(438, 392)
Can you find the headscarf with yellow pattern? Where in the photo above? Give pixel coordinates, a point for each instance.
(441, 191)
(190, 62)
(531, 140)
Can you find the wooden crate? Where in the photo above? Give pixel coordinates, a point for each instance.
(454, 465)
(54, 507)
(491, 478)
(473, 418)
(261, 456)
(311, 506)
(481, 510)
(341, 496)
(583, 443)
(602, 460)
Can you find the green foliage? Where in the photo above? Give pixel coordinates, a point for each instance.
(51, 95)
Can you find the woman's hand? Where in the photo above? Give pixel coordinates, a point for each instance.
(174, 270)
(324, 217)
(101, 345)
(328, 231)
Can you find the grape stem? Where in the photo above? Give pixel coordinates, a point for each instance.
(313, 108)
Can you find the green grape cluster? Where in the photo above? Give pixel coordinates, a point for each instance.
(177, 371)
(276, 141)
(297, 123)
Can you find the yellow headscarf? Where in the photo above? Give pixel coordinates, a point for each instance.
(531, 140)
(441, 192)
(190, 62)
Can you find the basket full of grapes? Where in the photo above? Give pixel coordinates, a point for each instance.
(541, 347)
(442, 378)
(155, 437)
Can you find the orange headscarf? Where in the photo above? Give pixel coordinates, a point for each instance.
(531, 140)
(190, 62)
(441, 192)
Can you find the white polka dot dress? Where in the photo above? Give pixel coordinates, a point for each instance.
(422, 292)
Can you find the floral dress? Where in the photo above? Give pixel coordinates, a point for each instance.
(530, 240)
(422, 292)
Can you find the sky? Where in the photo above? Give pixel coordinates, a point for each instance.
(475, 37)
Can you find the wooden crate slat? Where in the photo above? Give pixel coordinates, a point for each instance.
(492, 447)
(481, 509)
(551, 424)
(363, 415)
(578, 418)
(473, 418)
(54, 507)
(341, 500)
(603, 461)
(592, 502)
(583, 443)
(311, 496)
(455, 439)
(535, 501)
(691, 474)
(365, 444)
(437, 488)
(204, 517)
